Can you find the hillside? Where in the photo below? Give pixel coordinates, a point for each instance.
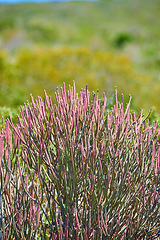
(123, 29)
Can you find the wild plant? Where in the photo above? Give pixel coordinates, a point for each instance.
(79, 170)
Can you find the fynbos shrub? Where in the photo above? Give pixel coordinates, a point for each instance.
(77, 170)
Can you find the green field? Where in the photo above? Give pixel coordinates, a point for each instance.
(102, 44)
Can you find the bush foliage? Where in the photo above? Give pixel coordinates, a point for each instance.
(33, 70)
(79, 170)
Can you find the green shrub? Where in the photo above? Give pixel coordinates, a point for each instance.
(121, 39)
(33, 70)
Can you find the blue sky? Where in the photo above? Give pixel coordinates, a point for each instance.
(20, 1)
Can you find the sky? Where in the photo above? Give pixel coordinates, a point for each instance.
(21, 1)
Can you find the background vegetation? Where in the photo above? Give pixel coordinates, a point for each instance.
(102, 44)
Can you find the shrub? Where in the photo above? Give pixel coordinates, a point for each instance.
(122, 39)
(35, 69)
(78, 170)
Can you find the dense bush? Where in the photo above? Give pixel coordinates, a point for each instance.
(78, 170)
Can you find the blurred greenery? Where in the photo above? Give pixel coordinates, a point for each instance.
(103, 44)
(34, 70)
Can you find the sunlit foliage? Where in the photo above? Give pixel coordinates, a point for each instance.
(33, 70)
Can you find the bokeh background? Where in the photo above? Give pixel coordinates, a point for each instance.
(103, 44)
